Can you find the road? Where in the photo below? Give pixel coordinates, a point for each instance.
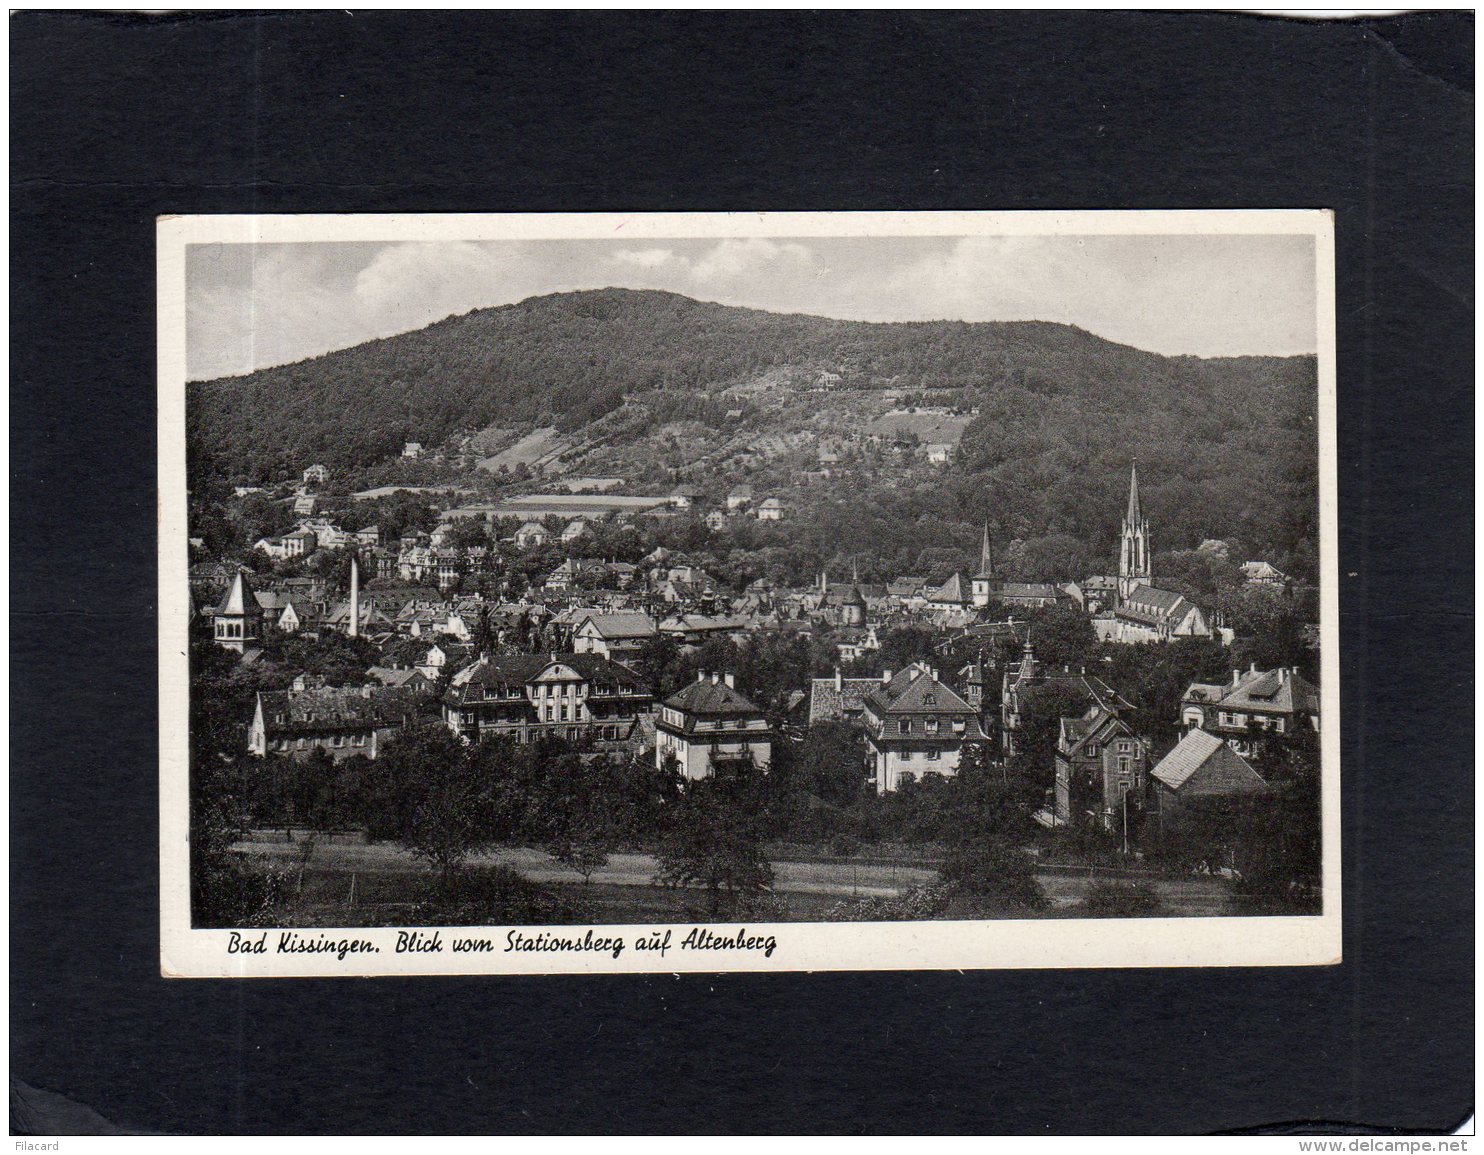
(1180, 896)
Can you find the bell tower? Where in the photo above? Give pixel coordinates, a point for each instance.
(1133, 554)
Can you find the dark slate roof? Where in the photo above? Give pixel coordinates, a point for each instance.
(914, 691)
(1028, 590)
(712, 698)
(1262, 690)
(514, 671)
(326, 709)
(1148, 604)
(950, 591)
(826, 703)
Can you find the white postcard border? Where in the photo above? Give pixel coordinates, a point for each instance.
(937, 944)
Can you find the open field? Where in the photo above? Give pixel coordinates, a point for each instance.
(381, 878)
(529, 450)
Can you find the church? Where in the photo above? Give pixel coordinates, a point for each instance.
(1142, 612)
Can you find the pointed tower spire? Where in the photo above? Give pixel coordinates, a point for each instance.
(1133, 552)
(986, 555)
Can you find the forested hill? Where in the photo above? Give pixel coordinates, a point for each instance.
(569, 358)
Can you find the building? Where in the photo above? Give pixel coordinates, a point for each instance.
(916, 725)
(839, 699)
(575, 529)
(304, 505)
(1262, 573)
(770, 510)
(984, 586)
(1144, 613)
(1152, 615)
(739, 498)
(938, 452)
(370, 536)
(526, 697)
(1133, 550)
(531, 535)
(1028, 674)
(1030, 595)
(709, 724)
(716, 519)
(1203, 777)
(237, 623)
(619, 636)
(413, 449)
(298, 615)
(1102, 770)
(1252, 705)
(342, 721)
(685, 496)
(316, 475)
(951, 595)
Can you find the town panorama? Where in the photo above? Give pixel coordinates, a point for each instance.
(618, 607)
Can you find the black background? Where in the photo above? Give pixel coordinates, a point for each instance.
(117, 119)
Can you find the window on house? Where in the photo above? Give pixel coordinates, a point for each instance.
(1092, 750)
(564, 712)
(931, 725)
(904, 726)
(934, 755)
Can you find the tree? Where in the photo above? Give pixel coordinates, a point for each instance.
(447, 804)
(714, 842)
(579, 813)
(904, 645)
(830, 762)
(991, 875)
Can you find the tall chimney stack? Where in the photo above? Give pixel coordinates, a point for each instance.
(355, 598)
(731, 681)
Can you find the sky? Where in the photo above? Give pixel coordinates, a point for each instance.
(253, 305)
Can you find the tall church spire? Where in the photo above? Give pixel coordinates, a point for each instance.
(1133, 552)
(986, 555)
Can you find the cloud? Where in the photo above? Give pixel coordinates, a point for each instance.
(255, 305)
(644, 258)
(730, 260)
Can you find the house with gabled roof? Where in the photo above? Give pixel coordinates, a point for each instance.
(1102, 770)
(839, 699)
(951, 595)
(342, 721)
(1030, 673)
(526, 697)
(620, 636)
(1203, 777)
(531, 535)
(1253, 704)
(711, 723)
(916, 725)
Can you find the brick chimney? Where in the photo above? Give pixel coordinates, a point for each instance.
(839, 680)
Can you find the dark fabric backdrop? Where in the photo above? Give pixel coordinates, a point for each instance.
(117, 119)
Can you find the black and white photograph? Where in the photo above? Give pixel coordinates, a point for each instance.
(713, 592)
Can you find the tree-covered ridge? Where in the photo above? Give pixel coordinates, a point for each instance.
(570, 357)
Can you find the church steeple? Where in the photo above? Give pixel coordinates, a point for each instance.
(985, 585)
(1133, 553)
